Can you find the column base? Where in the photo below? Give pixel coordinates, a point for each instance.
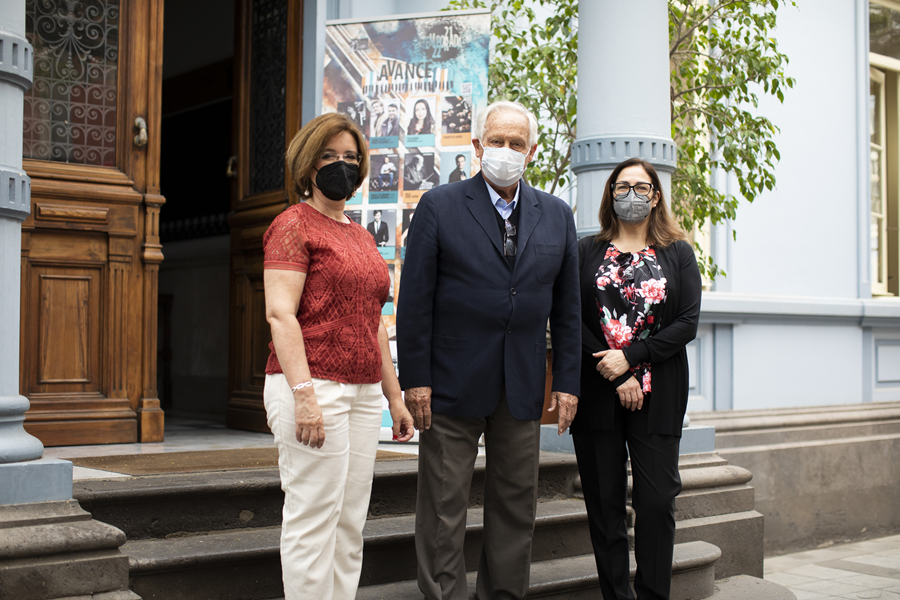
(41, 480)
(694, 440)
(55, 551)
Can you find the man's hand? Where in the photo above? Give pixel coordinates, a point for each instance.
(418, 401)
(630, 394)
(612, 363)
(568, 405)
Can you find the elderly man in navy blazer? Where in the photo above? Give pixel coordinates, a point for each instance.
(489, 260)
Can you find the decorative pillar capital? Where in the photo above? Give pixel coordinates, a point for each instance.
(15, 193)
(16, 60)
(607, 151)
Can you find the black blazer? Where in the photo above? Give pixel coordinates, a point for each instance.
(467, 322)
(381, 234)
(665, 350)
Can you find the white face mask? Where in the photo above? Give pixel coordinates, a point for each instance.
(503, 166)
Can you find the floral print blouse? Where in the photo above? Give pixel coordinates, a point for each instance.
(630, 291)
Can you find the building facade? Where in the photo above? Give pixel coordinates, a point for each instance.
(154, 148)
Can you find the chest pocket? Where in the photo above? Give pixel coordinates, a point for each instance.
(548, 258)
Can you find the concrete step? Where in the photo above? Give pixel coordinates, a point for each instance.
(229, 565)
(157, 506)
(575, 578)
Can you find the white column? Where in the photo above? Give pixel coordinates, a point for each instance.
(24, 475)
(623, 96)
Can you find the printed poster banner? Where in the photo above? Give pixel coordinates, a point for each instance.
(414, 85)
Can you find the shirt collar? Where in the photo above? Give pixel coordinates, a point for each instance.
(499, 203)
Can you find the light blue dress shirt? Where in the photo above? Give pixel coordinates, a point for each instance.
(500, 204)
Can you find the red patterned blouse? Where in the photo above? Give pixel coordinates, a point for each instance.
(346, 285)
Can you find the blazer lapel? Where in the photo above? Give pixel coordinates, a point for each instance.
(529, 215)
(480, 207)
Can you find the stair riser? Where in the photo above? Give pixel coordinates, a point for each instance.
(397, 561)
(260, 505)
(224, 581)
(396, 495)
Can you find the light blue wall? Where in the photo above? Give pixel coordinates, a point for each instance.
(801, 239)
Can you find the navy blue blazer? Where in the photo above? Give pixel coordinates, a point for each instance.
(467, 323)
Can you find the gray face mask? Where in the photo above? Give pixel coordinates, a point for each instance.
(632, 208)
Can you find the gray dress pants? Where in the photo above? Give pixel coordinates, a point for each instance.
(447, 454)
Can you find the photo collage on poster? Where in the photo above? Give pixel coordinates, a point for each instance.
(413, 86)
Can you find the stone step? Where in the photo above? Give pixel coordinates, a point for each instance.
(232, 564)
(157, 506)
(575, 578)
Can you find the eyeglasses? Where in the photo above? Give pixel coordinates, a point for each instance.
(350, 157)
(509, 244)
(626, 269)
(642, 189)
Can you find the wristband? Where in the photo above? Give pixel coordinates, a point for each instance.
(301, 385)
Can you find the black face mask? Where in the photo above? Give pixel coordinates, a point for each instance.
(337, 180)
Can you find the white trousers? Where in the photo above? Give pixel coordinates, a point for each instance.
(326, 490)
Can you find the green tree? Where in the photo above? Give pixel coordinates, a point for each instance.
(722, 56)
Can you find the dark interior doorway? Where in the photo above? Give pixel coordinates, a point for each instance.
(198, 47)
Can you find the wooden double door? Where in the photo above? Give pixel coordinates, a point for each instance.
(91, 249)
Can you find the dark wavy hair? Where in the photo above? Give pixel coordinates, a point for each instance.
(661, 231)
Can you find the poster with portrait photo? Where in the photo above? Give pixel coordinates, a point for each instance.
(456, 120)
(419, 175)
(422, 123)
(404, 229)
(455, 166)
(382, 225)
(387, 132)
(384, 178)
(358, 111)
(354, 215)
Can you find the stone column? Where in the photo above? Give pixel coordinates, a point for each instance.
(24, 475)
(623, 97)
(49, 547)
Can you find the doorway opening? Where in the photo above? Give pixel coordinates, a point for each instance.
(193, 333)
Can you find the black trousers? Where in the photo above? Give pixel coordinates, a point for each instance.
(654, 464)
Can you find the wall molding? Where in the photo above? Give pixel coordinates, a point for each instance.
(726, 307)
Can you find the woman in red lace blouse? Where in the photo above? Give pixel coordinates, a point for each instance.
(325, 284)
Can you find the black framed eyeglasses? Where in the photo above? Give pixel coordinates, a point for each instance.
(509, 244)
(641, 189)
(350, 157)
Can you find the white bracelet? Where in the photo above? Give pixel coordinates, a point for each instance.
(301, 385)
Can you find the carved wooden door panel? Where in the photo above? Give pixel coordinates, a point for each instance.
(266, 116)
(90, 248)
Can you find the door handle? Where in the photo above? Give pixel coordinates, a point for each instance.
(231, 170)
(141, 138)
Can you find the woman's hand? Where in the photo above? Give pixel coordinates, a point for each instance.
(309, 419)
(612, 363)
(630, 394)
(403, 421)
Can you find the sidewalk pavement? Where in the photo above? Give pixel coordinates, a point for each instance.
(860, 570)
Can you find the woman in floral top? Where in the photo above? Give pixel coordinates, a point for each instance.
(640, 302)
